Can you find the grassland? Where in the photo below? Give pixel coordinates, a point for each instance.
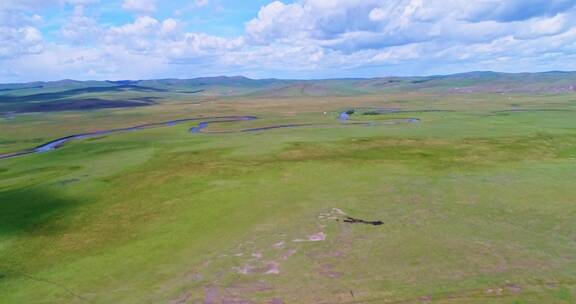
(478, 203)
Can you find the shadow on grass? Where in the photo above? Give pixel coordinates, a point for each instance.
(32, 211)
(73, 92)
(85, 104)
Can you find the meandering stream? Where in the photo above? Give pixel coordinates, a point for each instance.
(344, 117)
(57, 143)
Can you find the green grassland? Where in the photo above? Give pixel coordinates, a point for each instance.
(478, 202)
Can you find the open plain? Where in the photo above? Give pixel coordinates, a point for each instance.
(457, 189)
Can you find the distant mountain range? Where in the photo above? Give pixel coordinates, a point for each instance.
(84, 95)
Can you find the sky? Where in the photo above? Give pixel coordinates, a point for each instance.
(148, 39)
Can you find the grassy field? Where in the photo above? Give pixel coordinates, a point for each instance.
(478, 202)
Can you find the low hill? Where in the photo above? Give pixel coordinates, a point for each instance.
(53, 95)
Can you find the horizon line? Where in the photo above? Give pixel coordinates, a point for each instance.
(289, 79)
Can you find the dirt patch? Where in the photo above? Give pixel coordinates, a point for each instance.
(328, 271)
(288, 254)
(183, 299)
(513, 288)
(272, 268)
(194, 276)
(234, 293)
(279, 245)
(245, 270)
(318, 237)
(210, 295)
(495, 291)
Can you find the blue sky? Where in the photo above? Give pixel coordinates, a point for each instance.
(142, 39)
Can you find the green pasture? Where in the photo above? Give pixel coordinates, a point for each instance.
(478, 203)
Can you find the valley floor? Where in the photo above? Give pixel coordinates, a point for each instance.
(476, 201)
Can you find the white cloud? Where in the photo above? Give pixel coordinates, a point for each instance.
(162, 39)
(377, 14)
(19, 41)
(351, 26)
(201, 3)
(278, 21)
(19, 34)
(61, 62)
(307, 37)
(81, 29)
(140, 6)
(79, 2)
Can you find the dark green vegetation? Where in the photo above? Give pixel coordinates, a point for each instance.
(477, 202)
(77, 95)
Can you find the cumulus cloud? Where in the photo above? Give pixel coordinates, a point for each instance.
(81, 29)
(147, 36)
(371, 30)
(19, 41)
(307, 37)
(140, 6)
(506, 11)
(19, 34)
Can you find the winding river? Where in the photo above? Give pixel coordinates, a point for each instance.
(344, 117)
(57, 143)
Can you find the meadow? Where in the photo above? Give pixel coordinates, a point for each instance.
(477, 201)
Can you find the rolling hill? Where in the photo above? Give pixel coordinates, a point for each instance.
(85, 95)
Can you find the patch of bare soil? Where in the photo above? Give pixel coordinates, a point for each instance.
(246, 271)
